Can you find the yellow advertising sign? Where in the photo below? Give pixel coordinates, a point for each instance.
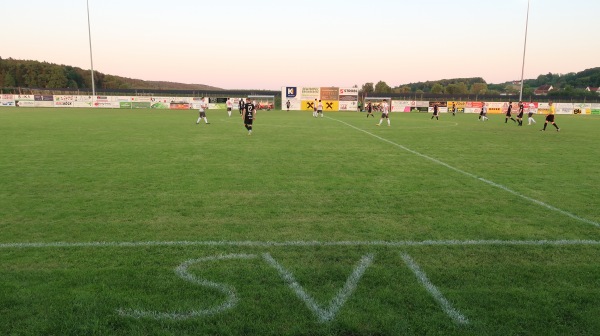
(331, 105)
(309, 105)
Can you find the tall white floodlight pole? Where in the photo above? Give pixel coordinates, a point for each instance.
(91, 59)
(524, 48)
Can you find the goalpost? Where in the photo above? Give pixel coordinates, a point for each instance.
(263, 102)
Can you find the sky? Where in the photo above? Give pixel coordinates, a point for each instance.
(260, 44)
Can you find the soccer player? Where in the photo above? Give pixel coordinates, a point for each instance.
(483, 113)
(229, 105)
(453, 109)
(241, 105)
(385, 110)
(550, 119)
(509, 113)
(520, 115)
(436, 112)
(370, 110)
(320, 108)
(249, 115)
(315, 108)
(202, 111)
(287, 104)
(530, 113)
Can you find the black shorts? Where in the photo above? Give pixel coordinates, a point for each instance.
(520, 115)
(248, 121)
(550, 118)
(229, 109)
(384, 115)
(202, 114)
(508, 114)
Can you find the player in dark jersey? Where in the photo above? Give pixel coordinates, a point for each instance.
(249, 115)
(370, 110)
(241, 106)
(436, 112)
(520, 115)
(453, 109)
(509, 113)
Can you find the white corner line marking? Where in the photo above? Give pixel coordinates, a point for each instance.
(182, 271)
(327, 314)
(547, 206)
(437, 295)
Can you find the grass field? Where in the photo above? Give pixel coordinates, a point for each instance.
(143, 223)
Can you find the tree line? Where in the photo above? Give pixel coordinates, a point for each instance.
(567, 85)
(43, 75)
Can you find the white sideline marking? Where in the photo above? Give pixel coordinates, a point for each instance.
(328, 314)
(182, 271)
(301, 243)
(547, 206)
(437, 295)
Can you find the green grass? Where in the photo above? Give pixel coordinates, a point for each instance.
(86, 176)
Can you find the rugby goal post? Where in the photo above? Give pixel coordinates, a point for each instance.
(263, 102)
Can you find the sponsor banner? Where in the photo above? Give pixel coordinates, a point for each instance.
(348, 98)
(497, 107)
(103, 99)
(330, 105)
(43, 98)
(564, 108)
(141, 99)
(308, 105)
(107, 104)
(310, 93)
(582, 108)
(529, 107)
(63, 103)
(595, 109)
(43, 103)
(295, 105)
(121, 99)
(289, 92)
(7, 97)
(72, 98)
(7, 103)
(175, 105)
(422, 103)
(443, 108)
(460, 105)
(330, 94)
(473, 107)
(125, 105)
(23, 97)
(140, 104)
(86, 104)
(402, 105)
(348, 92)
(348, 105)
(543, 108)
(24, 103)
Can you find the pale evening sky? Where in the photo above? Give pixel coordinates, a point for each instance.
(260, 44)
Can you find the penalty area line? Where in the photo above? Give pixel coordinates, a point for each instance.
(300, 243)
(547, 206)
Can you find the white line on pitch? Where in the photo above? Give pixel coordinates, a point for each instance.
(302, 243)
(437, 295)
(548, 206)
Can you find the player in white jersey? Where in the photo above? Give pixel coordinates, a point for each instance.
(530, 111)
(229, 105)
(385, 111)
(202, 111)
(320, 109)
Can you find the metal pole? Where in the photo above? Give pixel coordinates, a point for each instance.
(91, 59)
(524, 48)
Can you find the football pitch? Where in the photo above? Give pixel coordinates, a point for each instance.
(142, 222)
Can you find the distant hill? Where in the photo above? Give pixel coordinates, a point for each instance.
(35, 74)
